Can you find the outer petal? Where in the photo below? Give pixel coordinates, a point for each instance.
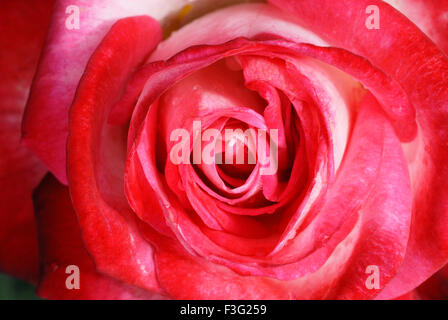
(386, 221)
(61, 245)
(216, 28)
(436, 287)
(63, 61)
(96, 155)
(400, 43)
(22, 28)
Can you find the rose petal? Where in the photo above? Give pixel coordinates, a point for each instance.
(436, 287)
(386, 222)
(62, 64)
(61, 246)
(330, 280)
(23, 30)
(431, 16)
(96, 155)
(423, 74)
(245, 20)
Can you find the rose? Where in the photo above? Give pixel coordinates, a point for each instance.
(356, 208)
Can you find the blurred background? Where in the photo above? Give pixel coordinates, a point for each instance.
(13, 289)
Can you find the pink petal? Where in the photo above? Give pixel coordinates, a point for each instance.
(61, 245)
(62, 64)
(399, 41)
(96, 156)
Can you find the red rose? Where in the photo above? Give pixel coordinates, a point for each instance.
(338, 109)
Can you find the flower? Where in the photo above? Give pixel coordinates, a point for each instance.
(280, 150)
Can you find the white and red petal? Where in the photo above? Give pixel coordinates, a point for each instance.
(400, 42)
(62, 247)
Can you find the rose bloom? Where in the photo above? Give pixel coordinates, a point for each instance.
(92, 205)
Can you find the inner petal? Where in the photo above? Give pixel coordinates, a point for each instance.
(238, 156)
